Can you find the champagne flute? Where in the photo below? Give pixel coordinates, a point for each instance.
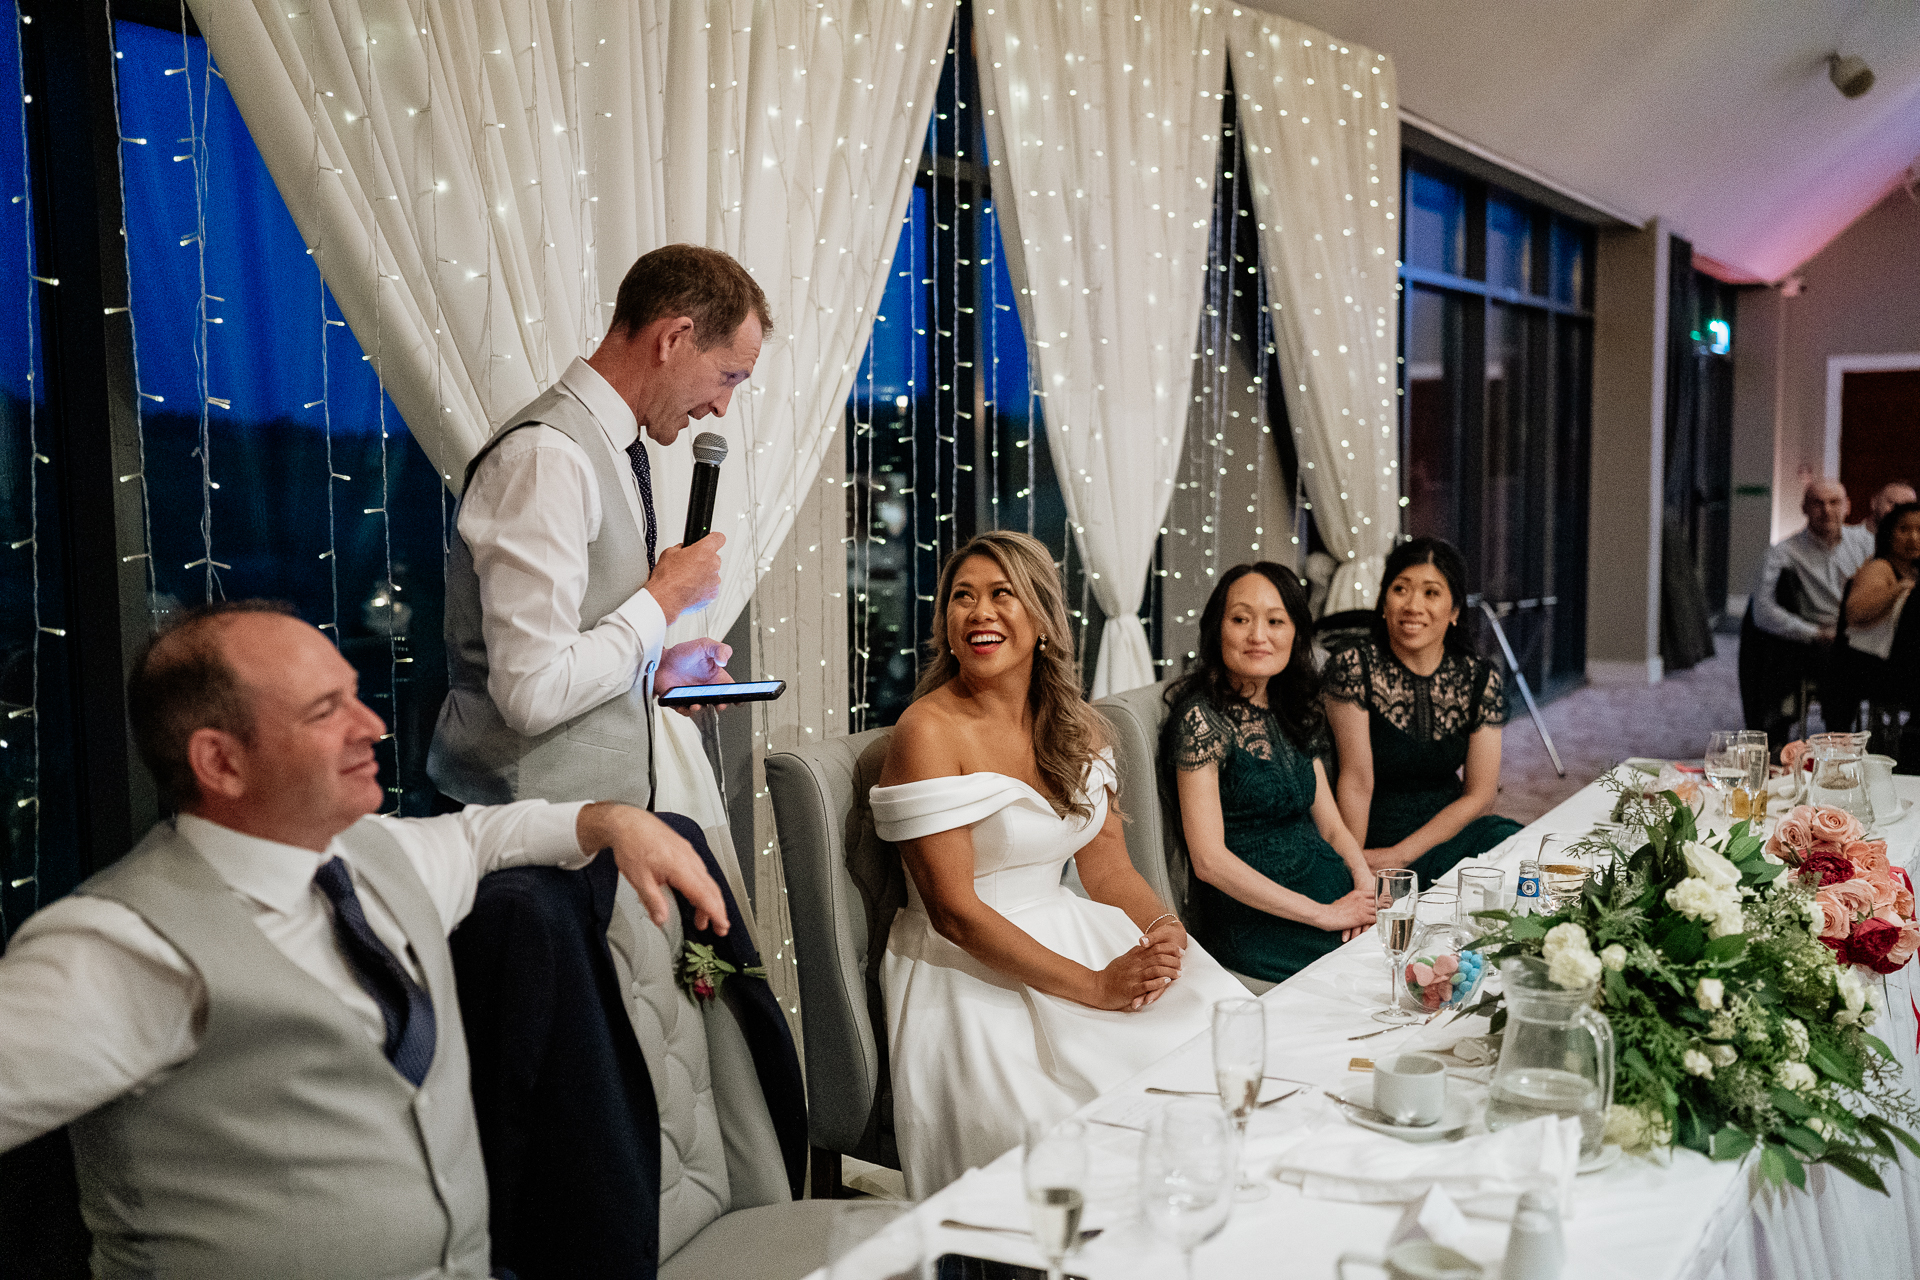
(1396, 894)
(1759, 755)
(1187, 1166)
(1054, 1168)
(1239, 1064)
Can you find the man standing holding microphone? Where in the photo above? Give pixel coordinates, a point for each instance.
(558, 592)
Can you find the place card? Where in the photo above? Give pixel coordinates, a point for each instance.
(1359, 1064)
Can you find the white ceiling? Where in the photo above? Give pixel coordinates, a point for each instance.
(1715, 116)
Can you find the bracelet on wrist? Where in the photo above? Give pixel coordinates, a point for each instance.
(1168, 915)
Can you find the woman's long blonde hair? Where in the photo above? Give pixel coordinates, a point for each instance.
(1067, 733)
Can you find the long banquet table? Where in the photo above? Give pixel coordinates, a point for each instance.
(1678, 1217)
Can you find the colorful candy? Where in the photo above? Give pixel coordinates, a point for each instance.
(1439, 981)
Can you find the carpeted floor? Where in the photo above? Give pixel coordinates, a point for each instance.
(1594, 729)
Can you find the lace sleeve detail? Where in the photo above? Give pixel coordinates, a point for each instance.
(1493, 698)
(1345, 676)
(1201, 737)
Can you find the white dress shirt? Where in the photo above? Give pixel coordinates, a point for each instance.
(94, 1003)
(528, 515)
(1823, 571)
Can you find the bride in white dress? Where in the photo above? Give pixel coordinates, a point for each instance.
(1010, 998)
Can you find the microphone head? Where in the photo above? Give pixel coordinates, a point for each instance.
(710, 446)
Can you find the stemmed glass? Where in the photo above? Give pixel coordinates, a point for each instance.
(1239, 1063)
(1396, 894)
(1054, 1167)
(1759, 756)
(1187, 1164)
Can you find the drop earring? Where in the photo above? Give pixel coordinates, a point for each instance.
(1043, 644)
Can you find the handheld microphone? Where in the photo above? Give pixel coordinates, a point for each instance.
(709, 451)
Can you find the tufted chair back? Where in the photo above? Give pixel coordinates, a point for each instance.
(1154, 843)
(718, 1148)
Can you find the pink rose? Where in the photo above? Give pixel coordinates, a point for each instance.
(1793, 834)
(1840, 905)
(1902, 951)
(1868, 855)
(1836, 825)
(1792, 754)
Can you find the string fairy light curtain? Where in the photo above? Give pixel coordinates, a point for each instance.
(474, 178)
(1104, 120)
(1322, 134)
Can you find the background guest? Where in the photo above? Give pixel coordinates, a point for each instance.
(1409, 707)
(1892, 494)
(1281, 882)
(1796, 605)
(1882, 652)
(1010, 998)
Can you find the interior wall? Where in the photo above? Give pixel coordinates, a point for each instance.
(1859, 296)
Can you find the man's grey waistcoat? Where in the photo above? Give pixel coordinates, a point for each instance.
(599, 755)
(287, 1146)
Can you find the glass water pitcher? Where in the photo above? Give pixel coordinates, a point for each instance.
(1556, 1055)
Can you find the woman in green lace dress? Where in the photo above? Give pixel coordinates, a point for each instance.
(1278, 881)
(1416, 718)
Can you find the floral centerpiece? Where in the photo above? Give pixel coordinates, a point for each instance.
(1738, 975)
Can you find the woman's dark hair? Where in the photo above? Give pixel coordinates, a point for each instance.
(1883, 536)
(1443, 556)
(1293, 695)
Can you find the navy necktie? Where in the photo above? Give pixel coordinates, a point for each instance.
(404, 1007)
(643, 476)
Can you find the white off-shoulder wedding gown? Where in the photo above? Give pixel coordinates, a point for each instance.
(975, 1053)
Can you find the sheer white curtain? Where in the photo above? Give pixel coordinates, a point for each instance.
(1103, 125)
(475, 176)
(1322, 134)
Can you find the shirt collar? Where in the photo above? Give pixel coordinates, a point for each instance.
(277, 876)
(602, 401)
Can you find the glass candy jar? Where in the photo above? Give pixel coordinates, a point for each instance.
(1442, 969)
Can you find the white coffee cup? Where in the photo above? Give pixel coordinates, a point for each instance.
(1416, 1260)
(1880, 794)
(1410, 1088)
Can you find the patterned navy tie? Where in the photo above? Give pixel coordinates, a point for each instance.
(643, 475)
(404, 1007)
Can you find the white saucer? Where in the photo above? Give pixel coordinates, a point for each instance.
(1605, 1160)
(1457, 1116)
(1906, 807)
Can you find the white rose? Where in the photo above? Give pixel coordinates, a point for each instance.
(1629, 1127)
(1709, 993)
(1564, 939)
(1614, 957)
(1697, 1064)
(1797, 1076)
(1574, 969)
(1723, 1055)
(1728, 921)
(1707, 865)
(1695, 899)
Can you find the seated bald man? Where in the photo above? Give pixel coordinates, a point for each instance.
(249, 1022)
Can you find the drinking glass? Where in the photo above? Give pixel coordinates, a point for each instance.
(1396, 895)
(1759, 756)
(1481, 889)
(1839, 780)
(1054, 1167)
(1564, 867)
(870, 1239)
(1187, 1163)
(1726, 762)
(1239, 1063)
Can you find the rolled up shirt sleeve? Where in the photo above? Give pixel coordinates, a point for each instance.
(527, 518)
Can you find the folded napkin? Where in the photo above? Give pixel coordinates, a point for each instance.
(1484, 1174)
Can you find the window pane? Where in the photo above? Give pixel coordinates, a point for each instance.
(1430, 466)
(1570, 259)
(1436, 224)
(1509, 244)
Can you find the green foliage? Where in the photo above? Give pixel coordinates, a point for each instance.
(1768, 1063)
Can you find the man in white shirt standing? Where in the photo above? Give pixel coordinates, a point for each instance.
(558, 591)
(249, 1022)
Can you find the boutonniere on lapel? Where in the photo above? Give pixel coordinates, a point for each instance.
(700, 972)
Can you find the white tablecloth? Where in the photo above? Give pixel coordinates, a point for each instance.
(1681, 1217)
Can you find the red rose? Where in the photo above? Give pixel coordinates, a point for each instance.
(1870, 944)
(703, 988)
(1827, 868)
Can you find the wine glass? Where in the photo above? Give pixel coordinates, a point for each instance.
(1054, 1168)
(1396, 895)
(1726, 763)
(1187, 1163)
(1239, 1063)
(1563, 868)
